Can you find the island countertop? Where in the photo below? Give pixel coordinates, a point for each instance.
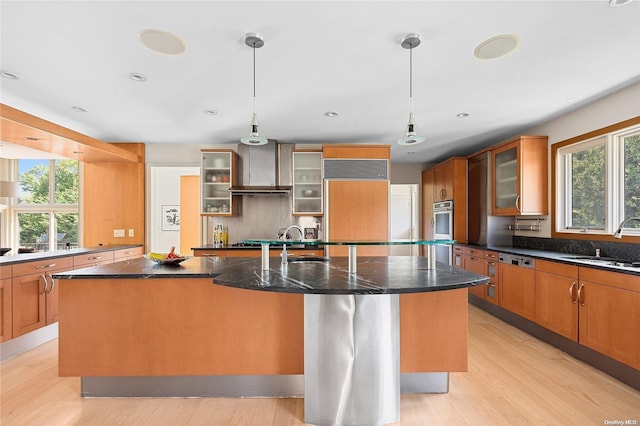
(376, 275)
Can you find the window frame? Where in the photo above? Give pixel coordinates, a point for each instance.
(50, 208)
(612, 137)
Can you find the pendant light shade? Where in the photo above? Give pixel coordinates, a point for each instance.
(254, 41)
(411, 137)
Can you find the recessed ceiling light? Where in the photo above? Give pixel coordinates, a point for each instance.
(78, 109)
(210, 112)
(497, 46)
(7, 74)
(331, 114)
(162, 42)
(136, 76)
(462, 115)
(616, 3)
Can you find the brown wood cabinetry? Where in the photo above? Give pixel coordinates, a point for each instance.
(519, 177)
(609, 316)
(448, 181)
(516, 291)
(92, 259)
(556, 298)
(5, 303)
(492, 293)
(35, 294)
(127, 254)
(356, 151)
(473, 261)
(443, 181)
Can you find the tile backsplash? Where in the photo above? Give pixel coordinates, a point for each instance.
(621, 250)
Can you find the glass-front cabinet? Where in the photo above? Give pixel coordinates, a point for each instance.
(307, 183)
(520, 177)
(219, 171)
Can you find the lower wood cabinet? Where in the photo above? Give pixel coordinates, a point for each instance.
(473, 261)
(127, 254)
(609, 314)
(517, 285)
(556, 294)
(35, 294)
(5, 303)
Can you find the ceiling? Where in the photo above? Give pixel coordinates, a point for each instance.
(318, 57)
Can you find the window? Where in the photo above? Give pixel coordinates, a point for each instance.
(47, 209)
(598, 183)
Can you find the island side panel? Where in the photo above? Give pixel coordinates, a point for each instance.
(166, 327)
(433, 331)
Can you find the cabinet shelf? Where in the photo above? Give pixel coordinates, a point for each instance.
(217, 176)
(307, 175)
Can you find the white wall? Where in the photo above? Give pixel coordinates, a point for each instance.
(612, 109)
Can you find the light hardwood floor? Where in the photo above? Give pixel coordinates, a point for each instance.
(513, 379)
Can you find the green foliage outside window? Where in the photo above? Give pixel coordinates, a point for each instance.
(588, 188)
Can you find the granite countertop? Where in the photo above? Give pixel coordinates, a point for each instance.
(10, 259)
(562, 257)
(376, 275)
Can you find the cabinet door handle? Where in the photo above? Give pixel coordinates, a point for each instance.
(443, 193)
(209, 255)
(581, 295)
(51, 265)
(94, 258)
(44, 284)
(432, 222)
(572, 293)
(518, 202)
(53, 284)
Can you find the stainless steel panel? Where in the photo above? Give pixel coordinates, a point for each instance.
(352, 362)
(356, 169)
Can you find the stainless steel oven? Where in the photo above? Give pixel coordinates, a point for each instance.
(443, 230)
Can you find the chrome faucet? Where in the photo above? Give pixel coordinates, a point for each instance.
(618, 233)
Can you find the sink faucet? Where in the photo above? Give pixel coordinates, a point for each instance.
(618, 233)
(284, 234)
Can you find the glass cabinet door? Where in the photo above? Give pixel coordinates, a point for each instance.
(218, 174)
(506, 179)
(307, 183)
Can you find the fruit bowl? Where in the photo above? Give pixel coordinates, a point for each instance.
(168, 260)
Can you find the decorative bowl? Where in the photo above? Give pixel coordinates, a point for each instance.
(169, 261)
(4, 250)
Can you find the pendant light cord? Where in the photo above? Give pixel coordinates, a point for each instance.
(411, 78)
(254, 77)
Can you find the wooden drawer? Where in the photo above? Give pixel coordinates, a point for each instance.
(42, 266)
(491, 255)
(93, 259)
(557, 268)
(127, 254)
(611, 279)
(472, 251)
(5, 271)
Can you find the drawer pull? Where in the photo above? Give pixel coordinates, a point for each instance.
(51, 265)
(572, 292)
(94, 258)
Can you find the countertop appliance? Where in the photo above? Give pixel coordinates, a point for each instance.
(513, 259)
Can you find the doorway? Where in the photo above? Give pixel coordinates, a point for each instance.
(404, 218)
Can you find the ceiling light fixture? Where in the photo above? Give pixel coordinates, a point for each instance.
(331, 114)
(254, 41)
(136, 76)
(7, 74)
(411, 138)
(497, 46)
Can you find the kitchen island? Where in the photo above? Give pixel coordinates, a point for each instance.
(140, 329)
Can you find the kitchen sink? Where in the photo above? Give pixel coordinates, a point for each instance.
(604, 261)
(307, 259)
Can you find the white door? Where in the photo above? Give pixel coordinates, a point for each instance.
(404, 218)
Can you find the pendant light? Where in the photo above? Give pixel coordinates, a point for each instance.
(411, 138)
(254, 41)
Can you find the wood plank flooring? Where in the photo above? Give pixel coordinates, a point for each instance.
(513, 379)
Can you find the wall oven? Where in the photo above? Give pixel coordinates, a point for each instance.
(443, 230)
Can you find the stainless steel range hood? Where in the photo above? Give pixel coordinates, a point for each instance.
(266, 169)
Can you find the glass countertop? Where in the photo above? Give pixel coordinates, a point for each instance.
(364, 242)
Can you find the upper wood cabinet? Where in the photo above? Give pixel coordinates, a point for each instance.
(519, 177)
(219, 173)
(356, 151)
(443, 181)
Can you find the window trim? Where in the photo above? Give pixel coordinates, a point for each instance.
(614, 130)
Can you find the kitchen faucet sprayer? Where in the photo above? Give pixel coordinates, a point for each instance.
(618, 233)
(286, 231)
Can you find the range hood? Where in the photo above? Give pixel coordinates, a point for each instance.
(266, 169)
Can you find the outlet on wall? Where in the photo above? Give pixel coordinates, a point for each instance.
(118, 233)
(131, 233)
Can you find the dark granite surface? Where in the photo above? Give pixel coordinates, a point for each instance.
(376, 275)
(197, 267)
(570, 257)
(10, 259)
